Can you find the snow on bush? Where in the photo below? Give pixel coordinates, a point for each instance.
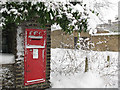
(68, 69)
(106, 64)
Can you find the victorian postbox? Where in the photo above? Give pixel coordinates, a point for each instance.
(35, 56)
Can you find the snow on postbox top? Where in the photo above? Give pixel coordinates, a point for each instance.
(35, 38)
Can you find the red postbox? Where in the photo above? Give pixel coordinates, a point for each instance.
(35, 56)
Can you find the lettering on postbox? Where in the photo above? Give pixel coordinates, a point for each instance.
(35, 56)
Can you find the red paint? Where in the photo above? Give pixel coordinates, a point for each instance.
(35, 67)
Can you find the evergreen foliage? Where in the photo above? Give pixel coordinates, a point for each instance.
(48, 13)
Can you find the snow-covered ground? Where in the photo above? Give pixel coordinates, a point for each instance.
(68, 66)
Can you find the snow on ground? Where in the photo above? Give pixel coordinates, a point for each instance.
(6, 58)
(78, 80)
(68, 67)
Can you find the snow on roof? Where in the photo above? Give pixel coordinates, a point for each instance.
(102, 29)
(101, 34)
(55, 27)
(7, 58)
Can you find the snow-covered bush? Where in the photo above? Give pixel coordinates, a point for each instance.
(75, 15)
(69, 62)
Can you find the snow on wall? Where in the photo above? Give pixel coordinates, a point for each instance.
(55, 27)
(7, 58)
(20, 43)
(101, 34)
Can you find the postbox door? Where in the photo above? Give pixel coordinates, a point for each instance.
(35, 56)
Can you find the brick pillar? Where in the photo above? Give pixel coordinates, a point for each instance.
(19, 62)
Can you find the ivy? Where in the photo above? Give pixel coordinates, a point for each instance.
(20, 11)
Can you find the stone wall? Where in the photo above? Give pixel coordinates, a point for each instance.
(7, 69)
(106, 42)
(8, 78)
(61, 40)
(9, 39)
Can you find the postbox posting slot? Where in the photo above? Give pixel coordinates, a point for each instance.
(35, 39)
